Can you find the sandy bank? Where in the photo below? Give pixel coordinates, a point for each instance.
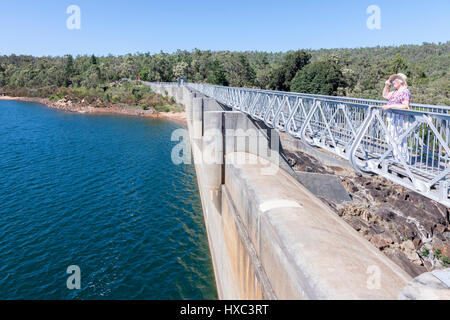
(69, 106)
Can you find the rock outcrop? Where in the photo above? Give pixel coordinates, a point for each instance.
(409, 228)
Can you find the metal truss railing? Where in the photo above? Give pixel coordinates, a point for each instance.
(161, 83)
(410, 148)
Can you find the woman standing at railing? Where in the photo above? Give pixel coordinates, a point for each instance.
(397, 124)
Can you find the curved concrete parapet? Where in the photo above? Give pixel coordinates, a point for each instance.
(428, 286)
(305, 250)
(269, 237)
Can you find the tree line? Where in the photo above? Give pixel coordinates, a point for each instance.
(359, 72)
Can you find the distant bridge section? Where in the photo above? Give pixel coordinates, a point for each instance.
(408, 147)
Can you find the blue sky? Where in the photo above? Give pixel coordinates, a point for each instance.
(118, 27)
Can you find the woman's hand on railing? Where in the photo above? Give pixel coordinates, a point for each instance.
(398, 106)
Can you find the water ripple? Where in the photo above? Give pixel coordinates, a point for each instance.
(99, 192)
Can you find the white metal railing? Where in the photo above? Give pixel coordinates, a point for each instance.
(408, 147)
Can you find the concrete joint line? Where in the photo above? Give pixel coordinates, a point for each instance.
(254, 260)
(281, 203)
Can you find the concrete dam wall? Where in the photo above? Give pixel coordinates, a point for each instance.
(269, 236)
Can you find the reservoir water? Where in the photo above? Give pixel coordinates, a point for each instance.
(99, 192)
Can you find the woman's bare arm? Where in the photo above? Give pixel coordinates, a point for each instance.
(403, 106)
(386, 93)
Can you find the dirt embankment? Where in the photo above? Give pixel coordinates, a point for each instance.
(409, 228)
(69, 106)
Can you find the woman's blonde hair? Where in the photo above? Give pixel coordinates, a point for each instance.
(400, 76)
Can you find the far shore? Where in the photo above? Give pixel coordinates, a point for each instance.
(68, 106)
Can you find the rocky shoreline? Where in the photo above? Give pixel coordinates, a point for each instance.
(84, 108)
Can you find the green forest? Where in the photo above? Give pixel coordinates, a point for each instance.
(359, 72)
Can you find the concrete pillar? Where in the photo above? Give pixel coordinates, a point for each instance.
(188, 96)
(175, 92)
(197, 115)
(171, 91)
(242, 134)
(213, 161)
(185, 95)
(179, 96)
(210, 104)
(188, 107)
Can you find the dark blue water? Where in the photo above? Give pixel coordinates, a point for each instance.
(100, 192)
